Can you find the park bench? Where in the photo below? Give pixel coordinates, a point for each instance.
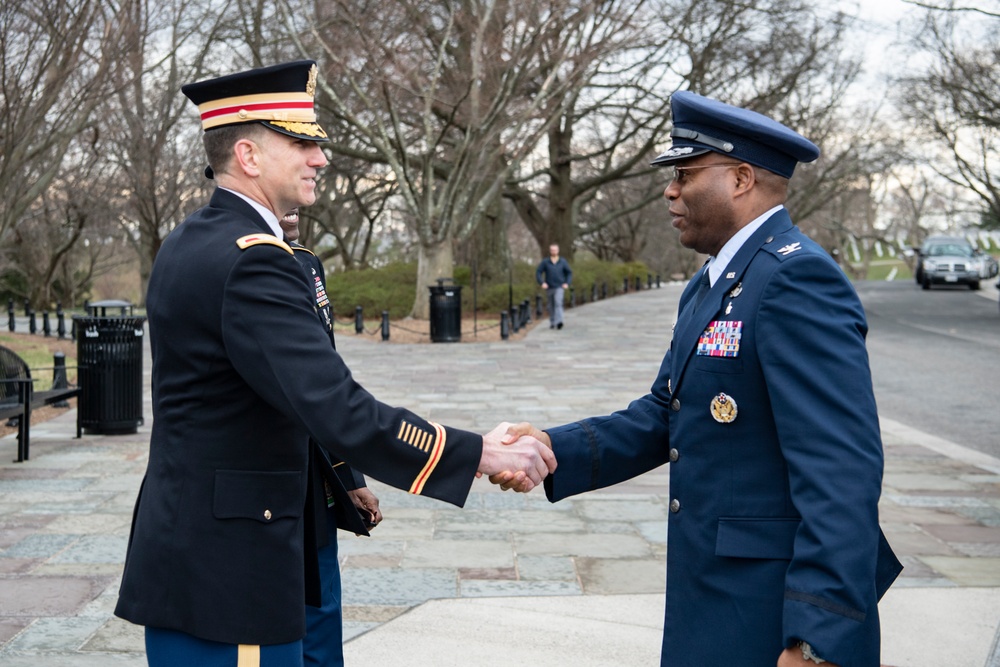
(18, 398)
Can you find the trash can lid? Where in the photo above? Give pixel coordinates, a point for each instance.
(110, 303)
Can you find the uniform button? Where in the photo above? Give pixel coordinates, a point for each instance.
(674, 455)
(267, 515)
(675, 405)
(675, 506)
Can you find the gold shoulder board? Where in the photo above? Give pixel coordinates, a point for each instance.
(256, 239)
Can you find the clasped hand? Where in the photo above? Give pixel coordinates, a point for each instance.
(517, 456)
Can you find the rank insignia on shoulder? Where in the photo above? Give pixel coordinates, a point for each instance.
(249, 240)
(790, 248)
(724, 409)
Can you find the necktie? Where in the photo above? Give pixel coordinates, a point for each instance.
(704, 285)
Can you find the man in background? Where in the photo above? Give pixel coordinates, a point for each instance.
(554, 276)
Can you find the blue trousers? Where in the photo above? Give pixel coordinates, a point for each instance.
(170, 648)
(323, 645)
(555, 295)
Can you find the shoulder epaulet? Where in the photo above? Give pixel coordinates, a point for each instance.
(298, 247)
(245, 242)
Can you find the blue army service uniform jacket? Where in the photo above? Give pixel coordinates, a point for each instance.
(242, 374)
(773, 532)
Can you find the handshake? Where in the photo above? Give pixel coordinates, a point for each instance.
(516, 456)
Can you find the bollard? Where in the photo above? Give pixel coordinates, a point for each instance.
(604, 290)
(46, 327)
(385, 325)
(593, 293)
(649, 281)
(538, 306)
(625, 285)
(657, 281)
(27, 308)
(59, 380)
(61, 323)
(504, 326)
(638, 284)
(527, 311)
(72, 330)
(359, 320)
(32, 328)
(572, 297)
(10, 317)
(513, 320)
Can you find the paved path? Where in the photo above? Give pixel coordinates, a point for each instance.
(510, 577)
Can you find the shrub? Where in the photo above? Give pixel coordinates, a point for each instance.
(391, 287)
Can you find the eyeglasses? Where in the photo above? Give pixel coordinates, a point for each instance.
(680, 175)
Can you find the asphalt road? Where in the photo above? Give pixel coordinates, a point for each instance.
(935, 358)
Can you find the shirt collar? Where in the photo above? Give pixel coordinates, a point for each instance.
(719, 263)
(266, 213)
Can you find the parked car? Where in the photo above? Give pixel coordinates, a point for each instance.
(948, 260)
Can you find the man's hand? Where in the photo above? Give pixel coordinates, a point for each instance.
(545, 285)
(792, 657)
(367, 504)
(524, 457)
(507, 479)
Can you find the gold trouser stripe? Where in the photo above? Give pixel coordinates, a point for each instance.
(247, 655)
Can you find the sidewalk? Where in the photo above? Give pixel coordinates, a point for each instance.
(510, 577)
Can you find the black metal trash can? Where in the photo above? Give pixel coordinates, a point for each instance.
(109, 363)
(446, 312)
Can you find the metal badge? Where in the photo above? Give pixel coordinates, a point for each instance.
(736, 291)
(724, 409)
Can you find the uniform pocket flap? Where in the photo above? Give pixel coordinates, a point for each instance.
(261, 495)
(756, 537)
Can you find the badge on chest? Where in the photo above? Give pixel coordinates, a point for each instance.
(721, 338)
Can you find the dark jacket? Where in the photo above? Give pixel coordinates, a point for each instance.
(555, 274)
(773, 532)
(243, 373)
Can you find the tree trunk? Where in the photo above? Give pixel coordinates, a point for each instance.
(436, 261)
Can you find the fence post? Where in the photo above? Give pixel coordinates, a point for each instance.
(359, 320)
(538, 306)
(657, 281)
(32, 328)
(504, 325)
(27, 307)
(385, 325)
(10, 314)
(638, 284)
(604, 290)
(46, 327)
(59, 380)
(60, 320)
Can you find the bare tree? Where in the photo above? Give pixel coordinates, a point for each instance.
(612, 123)
(55, 62)
(451, 96)
(954, 104)
(155, 142)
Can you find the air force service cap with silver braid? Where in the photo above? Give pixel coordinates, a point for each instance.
(703, 125)
(280, 97)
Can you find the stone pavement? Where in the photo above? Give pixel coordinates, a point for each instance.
(510, 577)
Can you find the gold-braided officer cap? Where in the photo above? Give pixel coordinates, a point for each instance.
(280, 97)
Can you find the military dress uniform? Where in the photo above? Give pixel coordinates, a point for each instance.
(764, 408)
(222, 547)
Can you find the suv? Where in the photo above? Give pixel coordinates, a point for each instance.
(948, 260)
